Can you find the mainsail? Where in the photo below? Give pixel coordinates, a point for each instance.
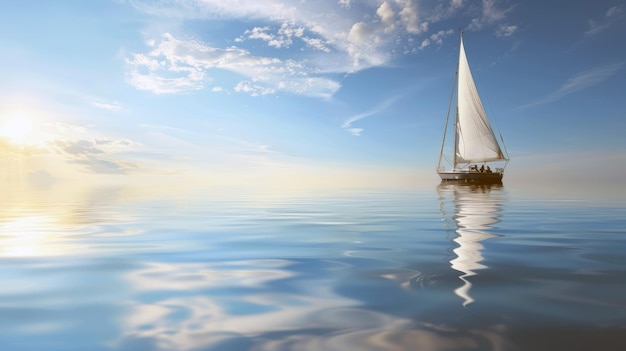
(475, 140)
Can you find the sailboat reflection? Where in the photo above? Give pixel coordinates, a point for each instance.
(471, 210)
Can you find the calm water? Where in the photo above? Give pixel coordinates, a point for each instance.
(446, 268)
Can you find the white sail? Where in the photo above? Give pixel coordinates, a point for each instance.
(475, 140)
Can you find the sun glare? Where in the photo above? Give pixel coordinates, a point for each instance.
(17, 129)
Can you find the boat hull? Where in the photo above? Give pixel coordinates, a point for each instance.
(471, 177)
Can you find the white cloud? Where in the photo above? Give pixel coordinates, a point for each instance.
(615, 11)
(305, 43)
(96, 155)
(259, 33)
(335, 36)
(9, 149)
(104, 166)
(456, 3)
(347, 124)
(440, 35)
(289, 30)
(612, 15)
(506, 31)
(436, 38)
(345, 3)
(115, 143)
(177, 65)
(215, 9)
(363, 37)
(284, 37)
(253, 89)
(409, 16)
(387, 16)
(443, 11)
(493, 14)
(76, 148)
(589, 78)
(582, 81)
(66, 128)
(425, 43)
(112, 106)
(316, 43)
(355, 131)
(359, 33)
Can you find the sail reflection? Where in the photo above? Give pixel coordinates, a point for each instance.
(471, 210)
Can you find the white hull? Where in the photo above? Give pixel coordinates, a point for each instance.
(471, 176)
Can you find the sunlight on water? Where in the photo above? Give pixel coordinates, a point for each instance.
(29, 236)
(453, 267)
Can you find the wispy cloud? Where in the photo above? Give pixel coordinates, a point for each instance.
(612, 15)
(506, 30)
(445, 10)
(10, 150)
(347, 124)
(345, 3)
(224, 151)
(580, 82)
(436, 38)
(72, 144)
(95, 155)
(112, 106)
(493, 15)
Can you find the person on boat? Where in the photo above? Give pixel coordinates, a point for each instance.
(482, 168)
(488, 169)
(474, 168)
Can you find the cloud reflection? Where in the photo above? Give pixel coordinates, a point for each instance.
(223, 301)
(156, 276)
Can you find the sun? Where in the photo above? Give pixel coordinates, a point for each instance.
(17, 129)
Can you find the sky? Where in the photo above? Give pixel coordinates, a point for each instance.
(338, 91)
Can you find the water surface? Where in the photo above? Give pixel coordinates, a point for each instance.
(447, 268)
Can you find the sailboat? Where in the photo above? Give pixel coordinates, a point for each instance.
(475, 143)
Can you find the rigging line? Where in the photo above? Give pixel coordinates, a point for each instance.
(495, 120)
(504, 145)
(445, 129)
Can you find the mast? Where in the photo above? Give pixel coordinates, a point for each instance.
(456, 114)
(445, 129)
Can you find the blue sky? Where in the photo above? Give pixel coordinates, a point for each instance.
(343, 90)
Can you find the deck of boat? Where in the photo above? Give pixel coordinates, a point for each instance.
(471, 176)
